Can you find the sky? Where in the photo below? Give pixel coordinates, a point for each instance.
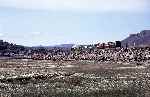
(52, 22)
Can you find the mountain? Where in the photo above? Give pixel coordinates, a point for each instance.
(139, 39)
(65, 45)
(62, 46)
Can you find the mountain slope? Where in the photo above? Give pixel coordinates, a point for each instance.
(139, 39)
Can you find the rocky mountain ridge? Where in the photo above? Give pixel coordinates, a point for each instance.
(137, 40)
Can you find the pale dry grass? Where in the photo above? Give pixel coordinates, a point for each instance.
(42, 78)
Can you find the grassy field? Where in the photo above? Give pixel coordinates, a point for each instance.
(43, 78)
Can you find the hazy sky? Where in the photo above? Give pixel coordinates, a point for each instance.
(49, 22)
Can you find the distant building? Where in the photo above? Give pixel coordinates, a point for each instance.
(118, 43)
(111, 44)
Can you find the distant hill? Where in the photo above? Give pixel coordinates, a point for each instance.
(139, 39)
(62, 46)
(6, 47)
(65, 45)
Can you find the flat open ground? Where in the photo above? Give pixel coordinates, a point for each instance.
(44, 78)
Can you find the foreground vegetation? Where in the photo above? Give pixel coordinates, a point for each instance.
(37, 78)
